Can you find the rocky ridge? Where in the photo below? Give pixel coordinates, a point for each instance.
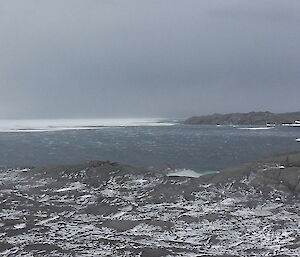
(108, 209)
(251, 118)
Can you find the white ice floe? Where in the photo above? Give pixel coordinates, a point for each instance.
(190, 173)
(184, 173)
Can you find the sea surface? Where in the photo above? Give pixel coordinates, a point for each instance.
(108, 209)
(140, 142)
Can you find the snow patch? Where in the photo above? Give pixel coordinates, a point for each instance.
(73, 186)
(20, 226)
(47, 220)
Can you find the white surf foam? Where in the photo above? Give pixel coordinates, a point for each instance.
(76, 124)
(257, 128)
(296, 124)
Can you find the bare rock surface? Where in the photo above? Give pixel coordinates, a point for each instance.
(251, 118)
(109, 209)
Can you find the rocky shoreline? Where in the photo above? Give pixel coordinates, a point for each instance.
(109, 209)
(251, 118)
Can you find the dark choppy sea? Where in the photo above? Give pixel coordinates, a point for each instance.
(174, 145)
(107, 209)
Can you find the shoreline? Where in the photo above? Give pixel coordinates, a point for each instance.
(284, 161)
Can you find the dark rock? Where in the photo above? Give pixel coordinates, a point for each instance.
(251, 118)
(267, 171)
(150, 252)
(4, 246)
(121, 225)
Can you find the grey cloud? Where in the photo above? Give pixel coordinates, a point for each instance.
(73, 58)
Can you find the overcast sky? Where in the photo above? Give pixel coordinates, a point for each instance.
(148, 58)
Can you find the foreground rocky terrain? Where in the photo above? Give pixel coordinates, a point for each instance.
(251, 118)
(109, 209)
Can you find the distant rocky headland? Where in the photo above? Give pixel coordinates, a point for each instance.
(250, 118)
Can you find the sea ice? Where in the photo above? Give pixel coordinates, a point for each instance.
(185, 173)
(76, 124)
